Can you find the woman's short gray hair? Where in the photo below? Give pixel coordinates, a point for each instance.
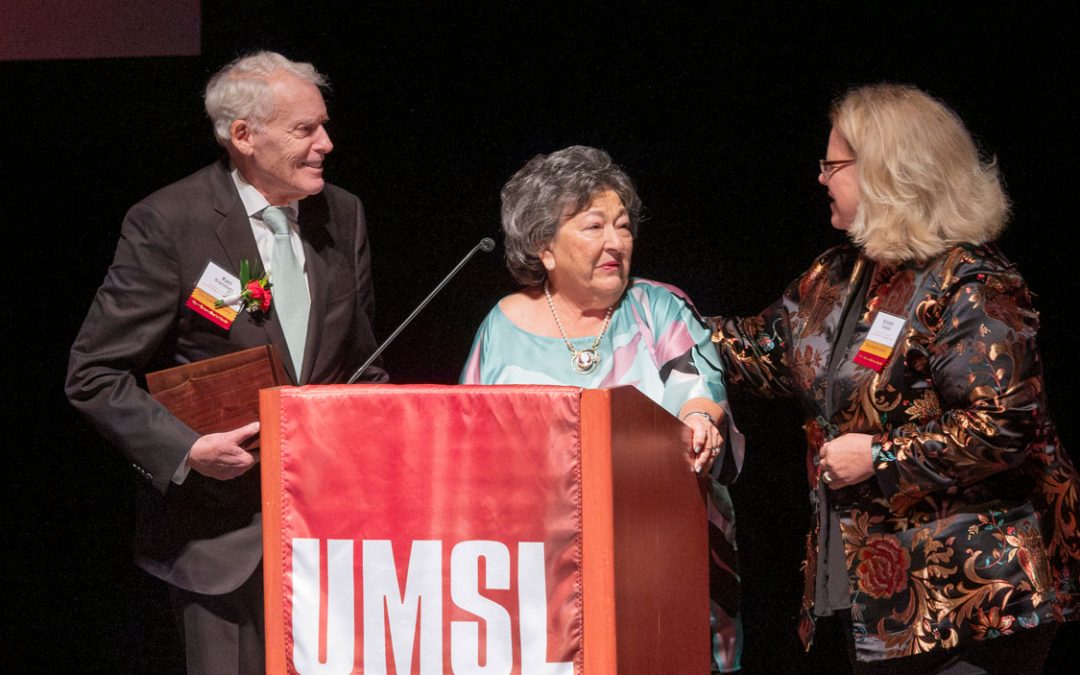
(548, 190)
(241, 90)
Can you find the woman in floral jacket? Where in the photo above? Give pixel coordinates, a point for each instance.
(945, 508)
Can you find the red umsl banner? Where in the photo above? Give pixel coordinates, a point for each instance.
(422, 529)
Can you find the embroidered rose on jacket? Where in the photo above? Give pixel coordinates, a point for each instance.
(883, 566)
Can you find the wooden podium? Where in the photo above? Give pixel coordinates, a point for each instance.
(469, 529)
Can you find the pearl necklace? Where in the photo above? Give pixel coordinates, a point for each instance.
(585, 360)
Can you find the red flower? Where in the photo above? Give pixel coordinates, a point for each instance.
(260, 297)
(883, 566)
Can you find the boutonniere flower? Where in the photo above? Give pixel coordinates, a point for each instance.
(256, 295)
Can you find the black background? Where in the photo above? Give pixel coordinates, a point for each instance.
(718, 113)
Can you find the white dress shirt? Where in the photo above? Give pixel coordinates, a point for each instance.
(254, 203)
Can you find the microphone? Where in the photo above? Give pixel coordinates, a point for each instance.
(487, 245)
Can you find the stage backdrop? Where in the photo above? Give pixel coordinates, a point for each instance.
(74, 29)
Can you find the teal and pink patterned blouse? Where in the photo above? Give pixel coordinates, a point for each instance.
(657, 342)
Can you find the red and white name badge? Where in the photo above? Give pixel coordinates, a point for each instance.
(216, 295)
(878, 346)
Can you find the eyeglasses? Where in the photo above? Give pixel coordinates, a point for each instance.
(830, 166)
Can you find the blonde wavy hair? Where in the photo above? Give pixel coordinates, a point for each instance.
(922, 184)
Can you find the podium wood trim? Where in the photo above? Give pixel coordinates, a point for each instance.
(597, 534)
(644, 515)
(273, 552)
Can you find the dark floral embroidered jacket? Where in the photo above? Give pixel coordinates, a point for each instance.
(968, 530)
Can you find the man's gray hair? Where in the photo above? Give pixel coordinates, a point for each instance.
(241, 90)
(548, 189)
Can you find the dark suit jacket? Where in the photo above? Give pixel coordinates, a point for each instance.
(205, 535)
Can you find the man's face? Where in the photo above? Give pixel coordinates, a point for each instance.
(283, 157)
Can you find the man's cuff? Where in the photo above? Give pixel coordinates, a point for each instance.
(181, 473)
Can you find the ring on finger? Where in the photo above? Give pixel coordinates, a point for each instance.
(826, 476)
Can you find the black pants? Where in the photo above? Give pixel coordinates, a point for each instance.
(223, 634)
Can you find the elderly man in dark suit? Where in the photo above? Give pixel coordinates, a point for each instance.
(198, 524)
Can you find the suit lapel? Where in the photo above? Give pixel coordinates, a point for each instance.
(314, 218)
(235, 236)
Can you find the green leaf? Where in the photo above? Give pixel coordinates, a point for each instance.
(245, 273)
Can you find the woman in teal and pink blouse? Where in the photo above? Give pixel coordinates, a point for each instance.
(570, 219)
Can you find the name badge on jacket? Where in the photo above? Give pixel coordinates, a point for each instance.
(879, 343)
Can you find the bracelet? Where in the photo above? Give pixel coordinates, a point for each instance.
(876, 453)
(702, 413)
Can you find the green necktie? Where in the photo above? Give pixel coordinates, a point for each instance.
(290, 290)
